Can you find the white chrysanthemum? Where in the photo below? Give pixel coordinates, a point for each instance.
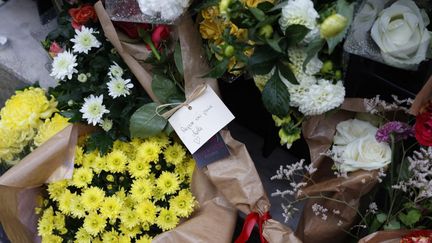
(297, 92)
(106, 124)
(85, 40)
(119, 87)
(115, 71)
(322, 97)
(298, 12)
(93, 109)
(165, 9)
(64, 65)
(297, 57)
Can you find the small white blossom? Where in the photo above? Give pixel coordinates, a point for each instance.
(165, 9)
(119, 87)
(106, 124)
(298, 12)
(64, 65)
(115, 71)
(93, 109)
(373, 208)
(335, 211)
(84, 40)
(82, 77)
(339, 223)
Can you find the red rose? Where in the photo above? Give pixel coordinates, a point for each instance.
(82, 15)
(131, 29)
(423, 126)
(160, 33)
(55, 49)
(418, 236)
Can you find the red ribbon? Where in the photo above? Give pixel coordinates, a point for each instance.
(250, 221)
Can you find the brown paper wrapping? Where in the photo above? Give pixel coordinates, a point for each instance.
(319, 132)
(234, 177)
(422, 97)
(388, 236)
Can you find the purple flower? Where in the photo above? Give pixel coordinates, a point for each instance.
(400, 131)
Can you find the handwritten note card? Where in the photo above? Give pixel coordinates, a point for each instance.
(204, 117)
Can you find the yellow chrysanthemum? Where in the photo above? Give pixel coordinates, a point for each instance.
(144, 239)
(94, 223)
(89, 159)
(167, 219)
(99, 164)
(183, 204)
(130, 232)
(55, 189)
(12, 142)
(77, 207)
(82, 236)
(141, 189)
(111, 207)
(82, 177)
(124, 239)
(146, 211)
(92, 198)
(79, 155)
(129, 218)
(59, 221)
(162, 140)
(110, 237)
(139, 168)
(116, 161)
(64, 202)
(50, 128)
(190, 166)
(126, 147)
(148, 152)
(174, 154)
(136, 142)
(45, 226)
(212, 29)
(254, 3)
(168, 183)
(51, 239)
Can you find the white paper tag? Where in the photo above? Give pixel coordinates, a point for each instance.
(207, 116)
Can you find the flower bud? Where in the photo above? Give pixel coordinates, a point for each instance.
(82, 77)
(338, 75)
(224, 5)
(333, 25)
(70, 103)
(110, 178)
(229, 51)
(266, 31)
(327, 67)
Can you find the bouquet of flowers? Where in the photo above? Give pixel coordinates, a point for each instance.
(281, 45)
(135, 192)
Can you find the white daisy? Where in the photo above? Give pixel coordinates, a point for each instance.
(85, 40)
(93, 109)
(106, 124)
(119, 87)
(115, 71)
(301, 12)
(322, 97)
(64, 65)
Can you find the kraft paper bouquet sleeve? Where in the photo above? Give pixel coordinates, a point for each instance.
(235, 177)
(390, 236)
(319, 132)
(422, 98)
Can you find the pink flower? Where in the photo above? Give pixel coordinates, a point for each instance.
(55, 49)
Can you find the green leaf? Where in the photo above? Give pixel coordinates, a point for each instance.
(392, 225)
(276, 97)
(168, 129)
(287, 73)
(263, 54)
(265, 6)
(165, 89)
(178, 58)
(412, 217)
(279, 6)
(261, 69)
(296, 33)
(219, 69)
(145, 122)
(100, 141)
(312, 49)
(258, 14)
(274, 44)
(381, 217)
(268, 20)
(347, 10)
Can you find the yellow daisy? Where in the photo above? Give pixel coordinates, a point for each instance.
(51, 239)
(162, 140)
(146, 211)
(148, 152)
(99, 164)
(144, 239)
(111, 207)
(174, 154)
(89, 159)
(81, 236)
(110, 237)
(64, 202)
(139, 168)
(77, 208)
(130, 232)
(79, 155)
(55, 189)
(82, 177)
(45, 226)
(116, 161)
(94, 223)
(59, 221)
(183, 204)
(141, 189)
(167, 219)
(168, 183)
(92, 198)
(129, 218)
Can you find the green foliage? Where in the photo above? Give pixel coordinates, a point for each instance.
(345, 9)
(276, 97)
(145, 122)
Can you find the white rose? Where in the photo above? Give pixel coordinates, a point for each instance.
(350, 130)
(365, 153)
(401, 34)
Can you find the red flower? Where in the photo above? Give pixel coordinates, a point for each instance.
(131, 29)
(160, 33)
(423, 126)
(55, 49)
(82, 15)
(418, 236)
